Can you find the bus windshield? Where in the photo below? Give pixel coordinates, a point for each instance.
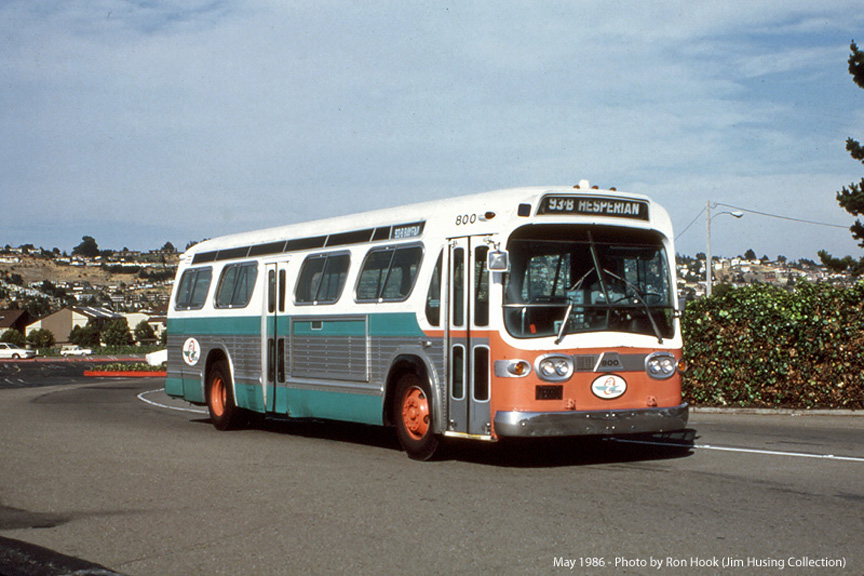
(574, 279)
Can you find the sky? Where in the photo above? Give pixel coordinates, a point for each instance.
(144, 122)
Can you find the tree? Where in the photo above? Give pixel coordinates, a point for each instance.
(851, 197)
(41, 338)
(168, 247)
(38, 306)
(87, 248)
(117, 333)
(750, 255)
(86, 337)
(13, 336)
(144, 333)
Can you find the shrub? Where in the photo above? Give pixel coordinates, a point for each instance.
(117, 333)
(127, 367)
(13, 336)
(762, 346)
(41, 338)
(144, 333)
(86, 337)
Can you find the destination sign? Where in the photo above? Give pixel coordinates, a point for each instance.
(407, 231)
(594, 206)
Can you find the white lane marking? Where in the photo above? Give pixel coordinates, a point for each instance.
(178, 408)
(745, 450)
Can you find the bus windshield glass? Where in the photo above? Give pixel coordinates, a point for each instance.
(575, 279)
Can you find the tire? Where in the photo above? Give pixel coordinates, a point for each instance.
(16, 357)
(412, 411)
(224, 413)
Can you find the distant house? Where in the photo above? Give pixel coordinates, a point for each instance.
(159, 319)
(62, 322)
(14, 320)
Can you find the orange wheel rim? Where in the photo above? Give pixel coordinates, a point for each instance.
(218, 396)
(415, 413)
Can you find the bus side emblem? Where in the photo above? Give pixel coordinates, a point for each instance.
(608, 386)
(191, 351)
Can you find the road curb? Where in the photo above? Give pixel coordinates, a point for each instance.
(774, 411)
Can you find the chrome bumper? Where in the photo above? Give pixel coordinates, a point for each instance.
(607, 422)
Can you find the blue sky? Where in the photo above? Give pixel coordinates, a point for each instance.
(143, 122)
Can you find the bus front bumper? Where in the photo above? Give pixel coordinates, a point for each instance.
(590, 423)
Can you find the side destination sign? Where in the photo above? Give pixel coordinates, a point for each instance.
(594, 206)
(407, 231)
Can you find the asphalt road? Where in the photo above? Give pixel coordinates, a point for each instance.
(91, 471)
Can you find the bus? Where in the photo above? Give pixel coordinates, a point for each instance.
(527, 312)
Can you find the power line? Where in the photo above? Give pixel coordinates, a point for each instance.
(681, 233)
(768, 214)
(815, 223)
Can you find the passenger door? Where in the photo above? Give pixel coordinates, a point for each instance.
(276, 329)
(467, 336)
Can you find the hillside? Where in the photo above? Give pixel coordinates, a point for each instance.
(117, 283)
(40, 269)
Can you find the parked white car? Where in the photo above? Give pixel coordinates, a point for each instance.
(14, 351)
(72, 350)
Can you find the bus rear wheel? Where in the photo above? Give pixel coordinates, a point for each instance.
(224, 413)
(412, 411)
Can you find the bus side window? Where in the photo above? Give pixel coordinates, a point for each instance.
(322, 278)
(388, 274)
(236, 285)
(433, 297)
(403, 270)
(194, 285)
(373, 274)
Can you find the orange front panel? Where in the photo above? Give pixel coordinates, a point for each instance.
(520, 394)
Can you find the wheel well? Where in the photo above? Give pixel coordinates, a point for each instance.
(216, 355)
(402, 365)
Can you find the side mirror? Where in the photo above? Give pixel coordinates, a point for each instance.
(498, 261)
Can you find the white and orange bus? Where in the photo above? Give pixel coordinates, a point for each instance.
(529, 312)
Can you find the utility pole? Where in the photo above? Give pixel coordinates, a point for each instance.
(708, 264)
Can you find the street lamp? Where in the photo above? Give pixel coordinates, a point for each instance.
(708, 264)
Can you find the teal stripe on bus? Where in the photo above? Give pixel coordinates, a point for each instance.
(174, 387)
(359, 408)
(187, 388)
(397, 324)
(389, 324)
(330, 327)
(211, 325)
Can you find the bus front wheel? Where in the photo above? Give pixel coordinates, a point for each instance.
(224, 413)
(413, 415)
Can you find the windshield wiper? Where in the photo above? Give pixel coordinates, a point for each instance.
(573, 288)
(638, 296)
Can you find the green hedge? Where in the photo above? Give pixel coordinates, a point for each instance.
(762, 346)
(127, 367)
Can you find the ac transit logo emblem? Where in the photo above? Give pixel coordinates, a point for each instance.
(608, 386)
(191, 351)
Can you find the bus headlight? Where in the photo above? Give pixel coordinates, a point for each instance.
(660, 365)
(554, 368)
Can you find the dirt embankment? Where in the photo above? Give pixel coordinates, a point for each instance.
(37, 270)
